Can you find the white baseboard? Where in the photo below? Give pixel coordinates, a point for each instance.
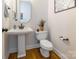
(62, 56)
(13, 50)
(27, 47)
(32, 46)
(21, 55)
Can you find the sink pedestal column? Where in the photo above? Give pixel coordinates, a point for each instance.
(21, 45)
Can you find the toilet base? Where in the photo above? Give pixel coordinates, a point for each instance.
(44, 52)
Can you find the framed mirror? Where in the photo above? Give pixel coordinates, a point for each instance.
(62, 5)
(25, 11)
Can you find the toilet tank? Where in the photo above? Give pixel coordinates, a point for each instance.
(41, 35)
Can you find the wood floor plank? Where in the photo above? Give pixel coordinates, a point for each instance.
(34, 54)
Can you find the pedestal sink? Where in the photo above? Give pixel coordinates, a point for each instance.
(21, 39)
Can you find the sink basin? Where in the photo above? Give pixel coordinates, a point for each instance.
(20, 31)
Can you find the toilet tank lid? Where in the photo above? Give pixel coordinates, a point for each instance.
(41, 31)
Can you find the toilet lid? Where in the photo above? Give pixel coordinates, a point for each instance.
(46, 43)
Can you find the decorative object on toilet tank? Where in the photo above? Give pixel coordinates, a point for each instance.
(62, 5)
(41, 25)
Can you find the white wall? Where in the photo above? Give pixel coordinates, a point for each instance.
(6, 24)
(5, 46)
(62, 24)
(40, 10)
(8, 21)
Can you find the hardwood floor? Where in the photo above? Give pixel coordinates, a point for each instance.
(34, 54)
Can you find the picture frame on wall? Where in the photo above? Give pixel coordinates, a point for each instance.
(62, 5)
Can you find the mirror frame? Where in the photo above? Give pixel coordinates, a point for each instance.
(63, 9)
(18, 11)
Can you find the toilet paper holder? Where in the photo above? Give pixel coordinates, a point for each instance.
(64, 39)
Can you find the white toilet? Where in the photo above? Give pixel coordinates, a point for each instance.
(45, 45)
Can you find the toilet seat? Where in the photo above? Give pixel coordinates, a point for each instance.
(45, 44)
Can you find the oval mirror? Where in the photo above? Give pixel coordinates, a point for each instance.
(24, 11)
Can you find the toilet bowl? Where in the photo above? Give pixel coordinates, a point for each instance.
(45, 45)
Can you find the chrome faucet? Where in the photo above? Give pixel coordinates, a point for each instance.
(21, 26)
